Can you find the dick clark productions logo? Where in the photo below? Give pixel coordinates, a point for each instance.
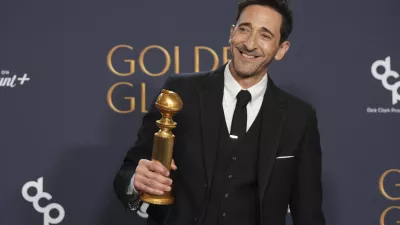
(40, 195)
(387, 74)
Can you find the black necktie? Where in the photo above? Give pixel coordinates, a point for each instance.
(239, 121)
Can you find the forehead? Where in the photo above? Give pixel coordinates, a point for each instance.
(261, 16)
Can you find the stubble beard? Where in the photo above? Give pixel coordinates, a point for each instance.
(244, 73)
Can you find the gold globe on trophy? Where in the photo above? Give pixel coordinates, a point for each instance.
(168, 103)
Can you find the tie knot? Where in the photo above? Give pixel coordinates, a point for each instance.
(243, 98)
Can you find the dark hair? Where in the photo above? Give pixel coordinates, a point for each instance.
(280, 6)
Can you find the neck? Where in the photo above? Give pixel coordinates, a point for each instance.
(246, 82)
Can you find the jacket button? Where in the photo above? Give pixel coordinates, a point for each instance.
(223, 214)
(230, 176)
(205, 185)
(195, 219)
(234, 158)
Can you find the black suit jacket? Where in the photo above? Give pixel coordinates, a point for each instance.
(289, 129)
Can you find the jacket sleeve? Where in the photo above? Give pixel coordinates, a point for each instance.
(306, 196)
(142, 149)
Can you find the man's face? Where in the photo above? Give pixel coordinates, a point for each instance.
(254, 41)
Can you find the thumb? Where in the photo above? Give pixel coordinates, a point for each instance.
(173, 166)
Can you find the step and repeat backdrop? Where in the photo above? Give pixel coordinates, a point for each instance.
(76, 78)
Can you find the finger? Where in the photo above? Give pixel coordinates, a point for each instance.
(153, 183)
(157, 167)
(158, 178)
(142, 169)
(173, 165)
(149, 190)
(152, 175)
(144, 162)
(143, 166)
(137, 183)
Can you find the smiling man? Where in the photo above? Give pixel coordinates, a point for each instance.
(246, 150)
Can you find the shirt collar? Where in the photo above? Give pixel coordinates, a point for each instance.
(232, 87)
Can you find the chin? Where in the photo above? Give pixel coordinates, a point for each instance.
(244, 71)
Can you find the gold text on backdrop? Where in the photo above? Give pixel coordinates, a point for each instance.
(121, 65)
(382, 188)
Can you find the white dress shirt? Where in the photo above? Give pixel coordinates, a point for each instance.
(231, 89)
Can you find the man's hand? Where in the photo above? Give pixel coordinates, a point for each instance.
(152, 177)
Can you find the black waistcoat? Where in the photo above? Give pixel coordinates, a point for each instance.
(234, 193)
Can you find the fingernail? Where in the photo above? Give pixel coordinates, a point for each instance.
(169, 189)
(170, 181)
(167, 174)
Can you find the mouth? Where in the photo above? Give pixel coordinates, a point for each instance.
(248, 56)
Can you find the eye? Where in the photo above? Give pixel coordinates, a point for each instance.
(244, 29)
(266, 36)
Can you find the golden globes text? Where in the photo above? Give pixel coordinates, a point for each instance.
(171, 59)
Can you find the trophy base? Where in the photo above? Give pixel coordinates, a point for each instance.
(165, 199)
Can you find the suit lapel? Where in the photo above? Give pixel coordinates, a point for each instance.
(273, 109)
(273, 117)
(211, 107)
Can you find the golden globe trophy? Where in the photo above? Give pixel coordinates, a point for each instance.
(168, 103)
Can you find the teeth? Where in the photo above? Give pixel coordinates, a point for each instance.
(248, 56)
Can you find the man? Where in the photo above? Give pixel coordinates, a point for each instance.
(245, 148)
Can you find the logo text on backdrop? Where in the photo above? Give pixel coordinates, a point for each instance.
(171, 61)
(9, 80)
(389, 82)
(38, 186)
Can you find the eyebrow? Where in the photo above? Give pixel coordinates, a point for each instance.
(262, 28)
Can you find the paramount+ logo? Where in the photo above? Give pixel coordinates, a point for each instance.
(382, 71)
(40, 194)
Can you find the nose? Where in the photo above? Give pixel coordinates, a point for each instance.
(250, 43)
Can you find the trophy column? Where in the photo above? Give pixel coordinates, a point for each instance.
(168, 103)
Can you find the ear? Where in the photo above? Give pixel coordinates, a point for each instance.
(283, 48)
(231, 33)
